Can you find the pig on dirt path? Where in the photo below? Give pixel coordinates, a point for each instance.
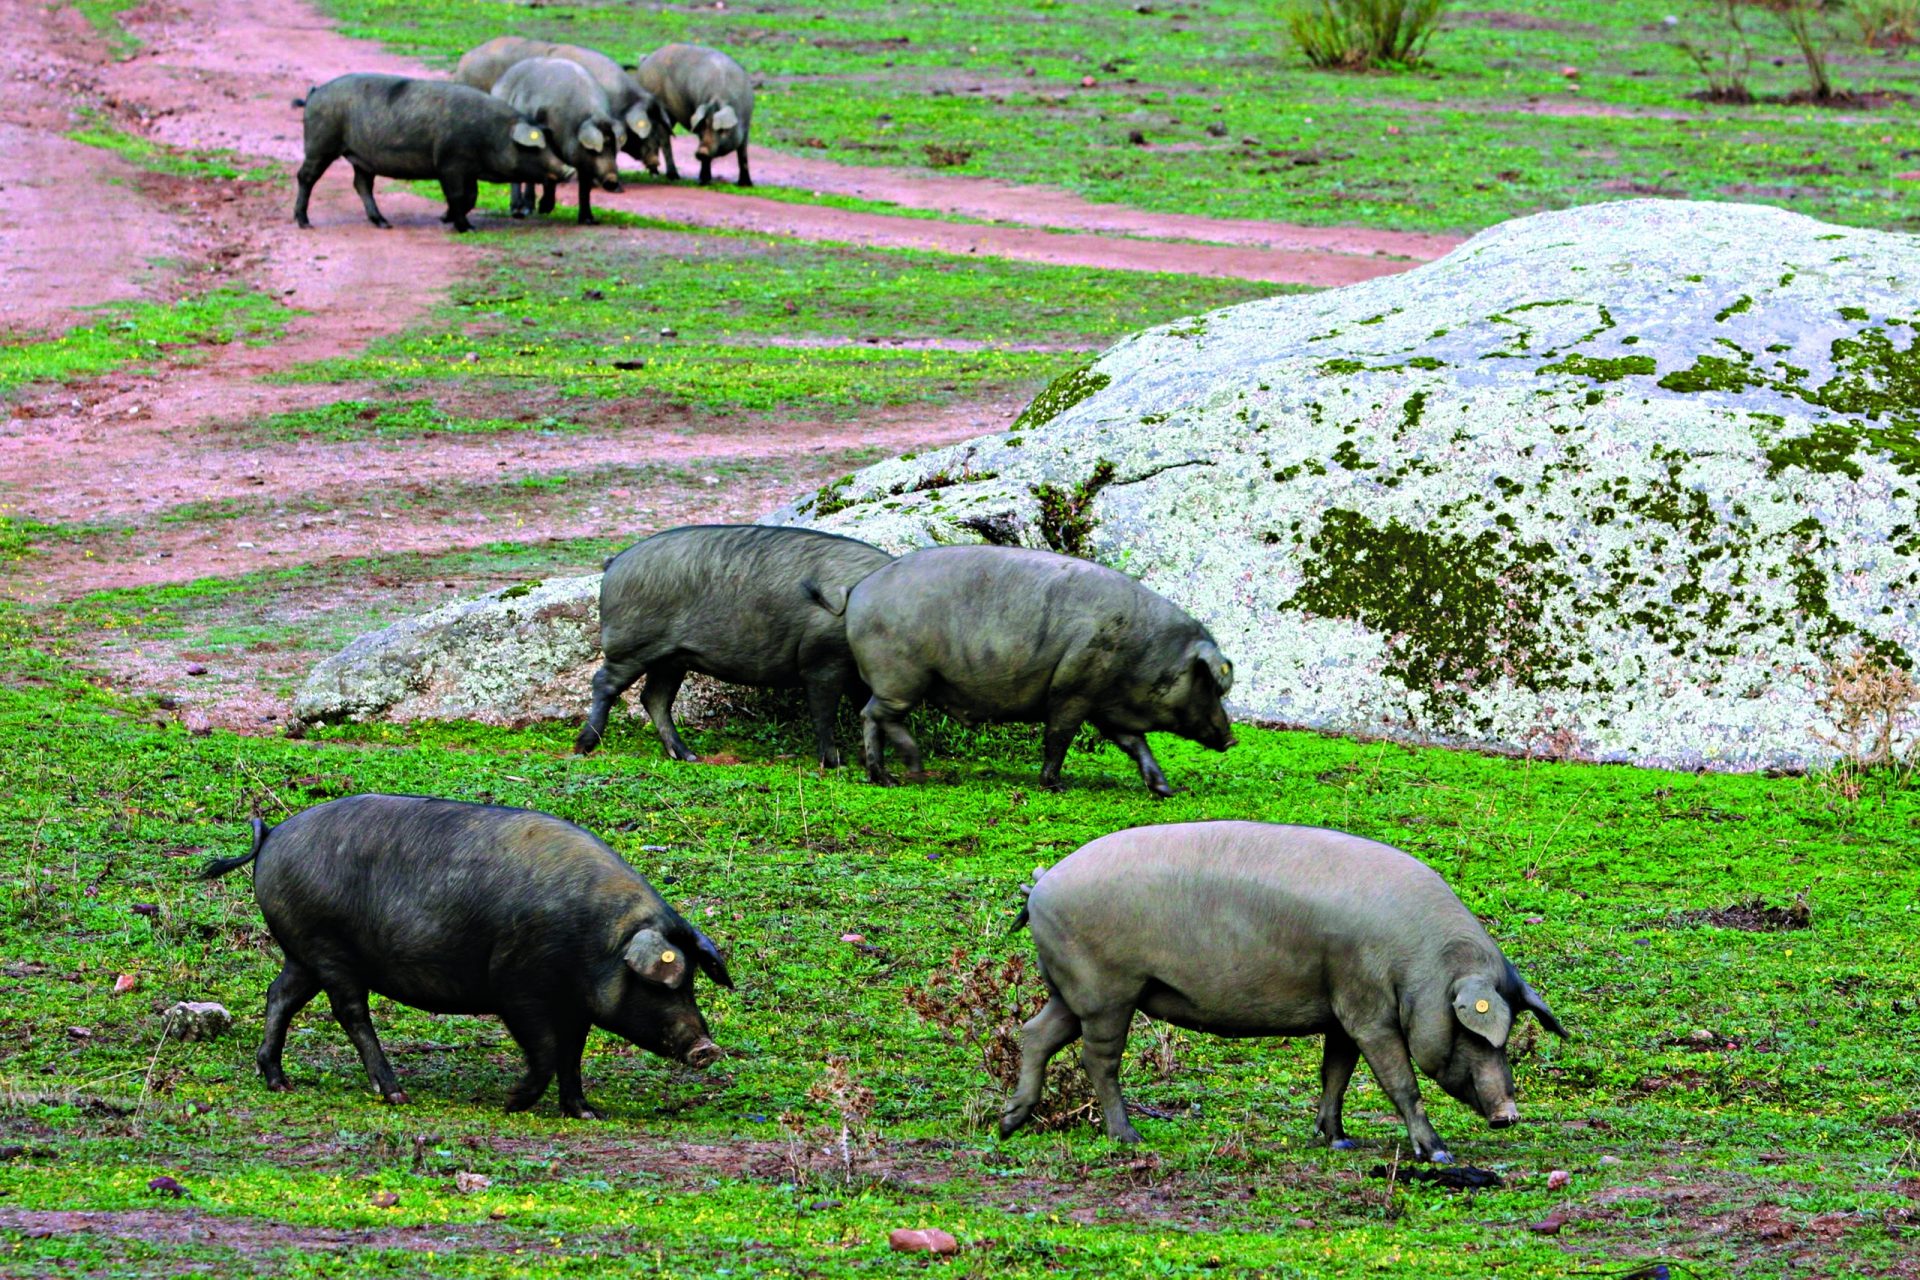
(469, 908)
(991, 633)
(563, 99)
(645, 121)
(396, 127)
(748, 604)
(709, 95)
(1253, 929)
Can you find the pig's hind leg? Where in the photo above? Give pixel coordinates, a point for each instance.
(1045, 1034)
(663, 686)
(609, 682)
(289, 994)
(349, 1001)
(1103, 1043)
(885, 721)
(540, 1040)
(363, 187)
(1337, 1061)
(1064, 719)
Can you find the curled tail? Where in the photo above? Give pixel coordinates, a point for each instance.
(302, 102)
(831, 598)
(220, 866)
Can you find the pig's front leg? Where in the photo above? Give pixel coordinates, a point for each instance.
(1386, 1052)
(1045, 1034)
(1135, 745)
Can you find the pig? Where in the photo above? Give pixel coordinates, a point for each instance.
(707, 93)
(473, 908)
(395, 127)
(563, 99)
(634, 107)
(749, 604)
(993, 633)
(1254, 929)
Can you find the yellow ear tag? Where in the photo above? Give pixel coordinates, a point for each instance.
(533, 137)
(1481, 1006)
(666, 957)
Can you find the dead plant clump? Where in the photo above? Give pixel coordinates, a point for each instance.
(1887, 24)
(1874, 708)
(981, 1004)
(839, 1151)
(1355, 35)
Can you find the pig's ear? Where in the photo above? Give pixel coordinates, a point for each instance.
(1481, 1010)
(725, 118)
(1530, 999)
(832, 598)
(707, 956)
(1208, 655)
(699, 114)
(651, 956)
(637, 122)
(528, 136)
(590, 136)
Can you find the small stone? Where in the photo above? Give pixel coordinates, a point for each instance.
(922, 1240)
(196, 1020)
(821, 1206)
(669, 333)
(146, 908)
(1088, 82)
(384, 1199)
(467, 1183)
(498, 1215)
(197, 725)
(1558, 1179)
(1700, 1035)
(1549, 1226)
(1535, 919)
(196, 669)
(124, 983)
(165, 1186)
(855, 938)
(80, 1033)
(1609, 1159)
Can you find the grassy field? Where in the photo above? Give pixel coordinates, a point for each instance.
(1738, 1099)
(1233, 121)
(1738, 957)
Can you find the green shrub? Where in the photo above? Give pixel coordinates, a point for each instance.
(1356, 34)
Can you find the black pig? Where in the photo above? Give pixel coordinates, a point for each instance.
(396, 127)
(745, 603)
(470, 908)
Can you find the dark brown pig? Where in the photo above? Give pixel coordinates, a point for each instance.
(645, 120)
(706, 93)
(1013, 634)
(469, 908)
(745, 603)
(395, 127)
(563, 99)
(1252, 929)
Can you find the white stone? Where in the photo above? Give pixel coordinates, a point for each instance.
(1581, 561)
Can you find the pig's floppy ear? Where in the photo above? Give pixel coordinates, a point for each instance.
(1481, 1010)
(707, 956)
(832, 598)
(637, 122)
(651, 956)
(1207, 654)
(528, 136)
(725, 118)
(1530, 999)
(699, 114)
(590, 136)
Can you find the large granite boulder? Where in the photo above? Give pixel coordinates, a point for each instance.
(1613, 483)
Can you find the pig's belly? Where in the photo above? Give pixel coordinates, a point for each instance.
(1227, 1014)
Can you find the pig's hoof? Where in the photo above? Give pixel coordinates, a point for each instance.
(398, 1098)
(880, 778)
(587, 220)
(745, 182)
(1342, 1144)
(1128, 1135)
(584, 744)
(279, 1086)
(1441, 1156)
(917, 775)
(1012, 1119)
(583, 1112)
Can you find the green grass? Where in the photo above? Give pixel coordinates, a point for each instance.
(188, 162)
(878, 82)
(345, 420)
(104, 17)
(138, 333)
(745, 313)
(1584, 874)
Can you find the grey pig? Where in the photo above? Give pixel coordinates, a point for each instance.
(633, 106)
(990, 633)
(395, 127)
(706, 93)
(469, 908)
(563, 99)
(749, 604)
(1253, 929)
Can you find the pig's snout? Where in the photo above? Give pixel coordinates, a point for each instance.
(703, 1054)
(1228, 741)
(1504, 1116)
